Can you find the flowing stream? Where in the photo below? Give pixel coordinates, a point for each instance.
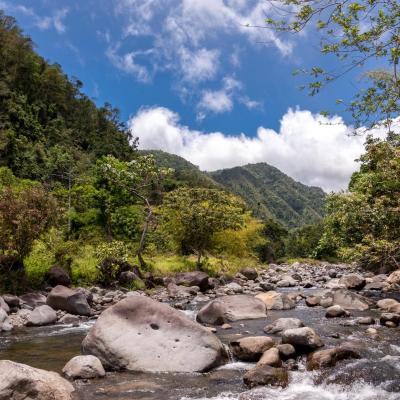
(376, 376)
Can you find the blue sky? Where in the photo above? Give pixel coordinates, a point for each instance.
(189, 77)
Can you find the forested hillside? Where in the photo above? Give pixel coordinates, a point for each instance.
(272, 194)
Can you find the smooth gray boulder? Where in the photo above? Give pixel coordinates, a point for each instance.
(346, 299)
(282, 324)
(262, 375)
(21, 382)
(194, 278)
(336, 311)
(84, 367)
(141, 334)
(251, 348)
(302, 338)
(69, 300)
(276, 301)
(33, 300)
(231, 308)
(42, 315)
(353, 281)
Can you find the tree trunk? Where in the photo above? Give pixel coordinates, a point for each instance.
(144, 233)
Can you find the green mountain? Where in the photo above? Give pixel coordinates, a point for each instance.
(272, 194)
(268, 192)
(185, 173)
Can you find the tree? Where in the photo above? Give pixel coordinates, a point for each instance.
(274, 246)
(133, 179)
(194, 215)
(24, 216)
(364, 224)
(355, 32)
(302, 242)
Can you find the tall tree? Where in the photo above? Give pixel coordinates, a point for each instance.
(194, 215)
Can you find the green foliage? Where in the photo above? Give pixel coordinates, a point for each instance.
(367, 218)
(116, 249)
(84, 266)
(271, 194)
(273, 247)
(195, 215)
(356, 33)
(24, 216)
(303, 242)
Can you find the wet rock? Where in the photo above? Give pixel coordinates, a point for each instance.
(336, 311)
(69, 319)
(71, 301)
(276, 301)
(372, 331)
(390, 320)
(251, 348)
(195, 278)
(33, 300)
(42, 315)
(271, 357)
(262, 375)
(19, 381)
(365, 321)
(11, 300)
(282, 324)
(58, 276)
(226, 327)
(231, 308)
(249, 273)
(389, 305)
(329, 357)
(347, 299)
(353, 281)
(374, 286)
(84, 367)
(286, 351)
(5, 322)
(313, 301)
(304, 339)
(140, 334)
(267, 286)
(326, 302)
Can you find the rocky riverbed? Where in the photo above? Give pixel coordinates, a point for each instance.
(314, 332)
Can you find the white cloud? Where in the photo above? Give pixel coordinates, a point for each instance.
(216, 101)
(312, 149)
(127, 63)
(181, 31)
(42, 22)
(198, 65)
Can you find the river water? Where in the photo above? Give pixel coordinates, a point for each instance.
(376, 376)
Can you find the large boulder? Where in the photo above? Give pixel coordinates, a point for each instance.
(58, 276)
(11, 300)
(249, 273)
(231, 308)
(282, 324)
(84, 367)
(329, 357)
(42, 315)
(302, 339)
(353, 281)
(71, 301)
(140, 334)
(346, 299)
(271, 357)
(336, 311)
(251, 348)
(21, 382)
(276, 301)
(33, 300)
(195, 278)
(264, 374)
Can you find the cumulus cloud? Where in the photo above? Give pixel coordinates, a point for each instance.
(198, 65)
(312, 149)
